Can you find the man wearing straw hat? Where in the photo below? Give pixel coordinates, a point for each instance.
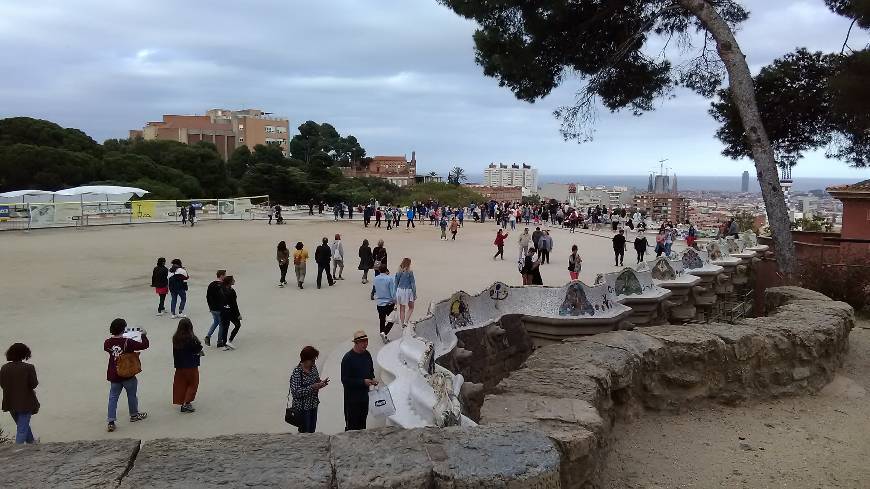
(357, 375)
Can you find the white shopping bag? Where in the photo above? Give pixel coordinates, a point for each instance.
(381, 402)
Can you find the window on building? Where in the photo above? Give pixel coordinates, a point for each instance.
(281, 129)
(241, 127)
(241, 139)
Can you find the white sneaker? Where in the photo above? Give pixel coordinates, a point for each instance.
(182, 315)
(160, 313)
(281, 284)
(230, 346)
(173, 316)
(384, 338)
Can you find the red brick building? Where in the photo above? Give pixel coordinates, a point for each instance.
(395, 169)
(190, 129)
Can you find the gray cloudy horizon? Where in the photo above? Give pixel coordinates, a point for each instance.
(398, 74)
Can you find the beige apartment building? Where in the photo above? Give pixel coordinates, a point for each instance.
(253, 126)
(226, 129)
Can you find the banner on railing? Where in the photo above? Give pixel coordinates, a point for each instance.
(62, 214)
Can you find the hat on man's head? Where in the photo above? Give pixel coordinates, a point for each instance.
(359, 336)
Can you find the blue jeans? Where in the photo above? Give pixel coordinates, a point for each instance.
(308, 418)
(215, 321)
(115, 392)
(23, 434)
(176, 295)
(513, 225)
(668, 248)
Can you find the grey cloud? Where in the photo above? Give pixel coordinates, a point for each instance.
(399, 74)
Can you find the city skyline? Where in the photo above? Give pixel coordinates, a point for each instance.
(400, 78)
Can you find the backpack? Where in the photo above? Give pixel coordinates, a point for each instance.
(128, 364)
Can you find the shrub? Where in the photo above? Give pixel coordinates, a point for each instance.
(849, 283)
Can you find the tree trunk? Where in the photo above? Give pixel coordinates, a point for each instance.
(743, 94)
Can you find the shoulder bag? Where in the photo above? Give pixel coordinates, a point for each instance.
(128, 364)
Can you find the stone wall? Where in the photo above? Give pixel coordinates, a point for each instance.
(546, 425)
(576, 391)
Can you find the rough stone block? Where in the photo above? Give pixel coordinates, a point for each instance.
(381, 458)
(79, 464)
(274, 461)
(521, 407)
(490, 457)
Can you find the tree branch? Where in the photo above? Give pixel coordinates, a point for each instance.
(848, 33)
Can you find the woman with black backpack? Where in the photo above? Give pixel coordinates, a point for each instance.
(160, 282)
(177, 281)
(229, 314)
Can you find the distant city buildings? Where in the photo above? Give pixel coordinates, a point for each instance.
(502, 175)
(581, 195)
(744, 183)
(395, 169)
(662, 184)
(498, 194)
(226, 129)
(663, 207)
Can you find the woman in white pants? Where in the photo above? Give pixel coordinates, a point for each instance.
(406, 291)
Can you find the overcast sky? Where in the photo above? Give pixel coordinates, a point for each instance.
(398, 74)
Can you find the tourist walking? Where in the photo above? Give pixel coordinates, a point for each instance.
(177, 283)
(524, 240)
(669, 241)
(443, 224)
(337, 249)
(546, 246)
(186, 353)
(160, 282)
(732, 229)
(619, 247)
(640, 246)
(691, 236)
(300, 260)
(378, 218)
(18, 380)
(385, 297)
(191, 214)
(214, 297)
(366, 260)
(183, 213)
(575, 263)
(121, 371)
(229, 314)
(406, 291)
(499, 244)
(454, 228)
(283, 257)
(305, 385)
(357, 375)
(322, 257)
(410, 218)
(379, 253)
(660, 243)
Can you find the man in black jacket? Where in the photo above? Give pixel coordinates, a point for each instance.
(322, 256)
(215, 300)
(619, 248)
(357, 375)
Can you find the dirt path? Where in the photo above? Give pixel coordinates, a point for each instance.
(821, 441)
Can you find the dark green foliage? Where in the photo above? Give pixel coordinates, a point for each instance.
(24, 166)
(456, 176)
(444, 193)
(859, 10)
(36, 132)
(532, 47)
(322, 140)
(807, 101)
(239, 162)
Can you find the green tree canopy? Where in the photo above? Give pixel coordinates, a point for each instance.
(25, 166)
(37, 132)
(323, 139)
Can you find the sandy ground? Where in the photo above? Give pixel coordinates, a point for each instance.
(63, 287)
(820, 441)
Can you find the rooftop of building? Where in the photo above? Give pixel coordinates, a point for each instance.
(855, 188)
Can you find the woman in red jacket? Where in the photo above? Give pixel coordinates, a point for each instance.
(499, 242)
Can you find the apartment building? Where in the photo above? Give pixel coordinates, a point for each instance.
(253, 126)
(226, 129)
(502, 175)
(190, 129)
(663, 207)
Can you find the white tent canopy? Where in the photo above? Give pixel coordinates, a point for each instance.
(75, 194)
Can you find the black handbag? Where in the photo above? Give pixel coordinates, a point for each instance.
(291, 417)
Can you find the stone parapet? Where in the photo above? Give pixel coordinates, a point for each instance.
(486, 457)
(575, 391)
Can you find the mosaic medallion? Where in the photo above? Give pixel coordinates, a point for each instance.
(662, 270)
(714, 251)
(628, 284)
(576, 303)
(692, 260)
(460, 316)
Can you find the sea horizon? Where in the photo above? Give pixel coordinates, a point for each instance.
(684, 182)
